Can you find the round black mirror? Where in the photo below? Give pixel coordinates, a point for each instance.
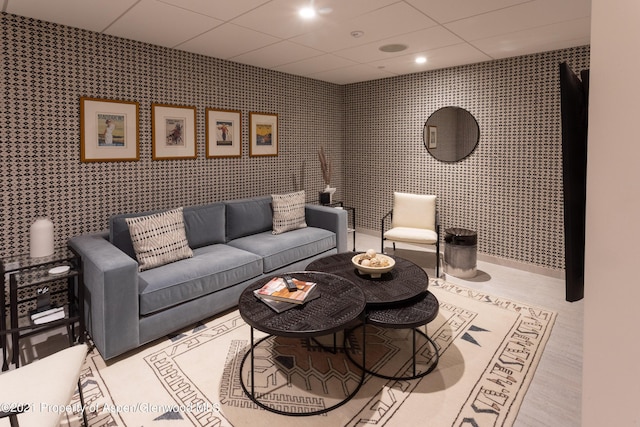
(451, 134)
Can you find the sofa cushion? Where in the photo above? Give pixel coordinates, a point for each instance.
(279, 250)
(288, 212)
(204, 225)
(159, 239)
(212, 268)
(248, 216)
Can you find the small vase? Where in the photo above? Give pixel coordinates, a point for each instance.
(41, 238)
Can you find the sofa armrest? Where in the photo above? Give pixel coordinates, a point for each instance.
(111, 294)
(331, 219)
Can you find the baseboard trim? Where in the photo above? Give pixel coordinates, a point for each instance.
(504, 262)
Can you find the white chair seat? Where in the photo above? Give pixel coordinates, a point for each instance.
(412, 235)
(49, 381)
(414, 219)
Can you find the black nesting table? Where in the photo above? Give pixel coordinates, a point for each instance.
(341, 304)
(398, 299)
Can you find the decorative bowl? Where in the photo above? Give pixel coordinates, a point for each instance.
(374, 272)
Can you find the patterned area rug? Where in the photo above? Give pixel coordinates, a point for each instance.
(489, 348)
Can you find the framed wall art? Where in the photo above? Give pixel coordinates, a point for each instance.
(263, 134)
(108, 130)
(173, 132)
(432, 135)
(224, 133)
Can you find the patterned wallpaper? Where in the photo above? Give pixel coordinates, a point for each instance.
(46, 68)
(509, 189)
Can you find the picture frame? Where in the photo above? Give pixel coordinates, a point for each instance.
(432, 134)
(109, 130)
(263, 134)
(173, 132)
(224, 133)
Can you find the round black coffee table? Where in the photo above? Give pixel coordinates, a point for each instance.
(340, 305)
(397, 300)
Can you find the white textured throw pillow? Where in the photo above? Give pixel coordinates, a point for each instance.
(159, 239)
(288, 212)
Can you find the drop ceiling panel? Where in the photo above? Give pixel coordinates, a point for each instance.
(220, 9)
(444, 11)
(161, 24)
(280, 18)
(315, 65)
(377, 25)
(417, 41)
(549, 37)
(227, 41)
(277, 54)
(437, 58)
(524, 16)
(92, 15)
(356, 73)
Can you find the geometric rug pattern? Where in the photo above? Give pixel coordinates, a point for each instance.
(489, 348)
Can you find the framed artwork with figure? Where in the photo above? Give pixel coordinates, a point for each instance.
(263, 134)
(173, 132)
(224, 133)
(108, 130)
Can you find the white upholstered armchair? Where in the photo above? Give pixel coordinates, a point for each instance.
(414, 219)
(33, 394)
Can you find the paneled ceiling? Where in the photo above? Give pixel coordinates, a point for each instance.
(341, 44)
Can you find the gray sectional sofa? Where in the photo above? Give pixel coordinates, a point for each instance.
(232, 244)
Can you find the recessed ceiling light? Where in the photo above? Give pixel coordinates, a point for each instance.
(393, 47)
(421, 60)
(307, 12)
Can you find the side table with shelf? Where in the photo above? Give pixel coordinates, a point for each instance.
(28, 280)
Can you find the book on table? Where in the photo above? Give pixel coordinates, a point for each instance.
(276, 290)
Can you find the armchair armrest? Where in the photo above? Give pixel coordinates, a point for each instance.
(331, 219)
(111, 294)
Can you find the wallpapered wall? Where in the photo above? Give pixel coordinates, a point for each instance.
(46, 68)
(509, 189)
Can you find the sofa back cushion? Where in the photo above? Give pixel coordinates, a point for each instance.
(248, 216)
(204, 225)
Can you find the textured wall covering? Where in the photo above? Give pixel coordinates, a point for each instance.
(509, 189)
(45, 69)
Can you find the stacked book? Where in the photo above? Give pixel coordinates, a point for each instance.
(48, 315)
(277, 296)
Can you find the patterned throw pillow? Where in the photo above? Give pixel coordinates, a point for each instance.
(288, 212)
(159, 239)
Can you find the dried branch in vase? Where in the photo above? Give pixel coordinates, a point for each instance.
(325, 165)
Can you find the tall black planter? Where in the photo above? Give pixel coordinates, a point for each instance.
(574, 103)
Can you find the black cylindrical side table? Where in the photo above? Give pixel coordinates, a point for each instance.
(460, 252)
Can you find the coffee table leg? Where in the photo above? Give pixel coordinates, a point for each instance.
(253, 393)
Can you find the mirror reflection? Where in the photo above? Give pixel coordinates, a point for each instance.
(451, 134)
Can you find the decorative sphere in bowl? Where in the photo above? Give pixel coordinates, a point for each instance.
(373, 264)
